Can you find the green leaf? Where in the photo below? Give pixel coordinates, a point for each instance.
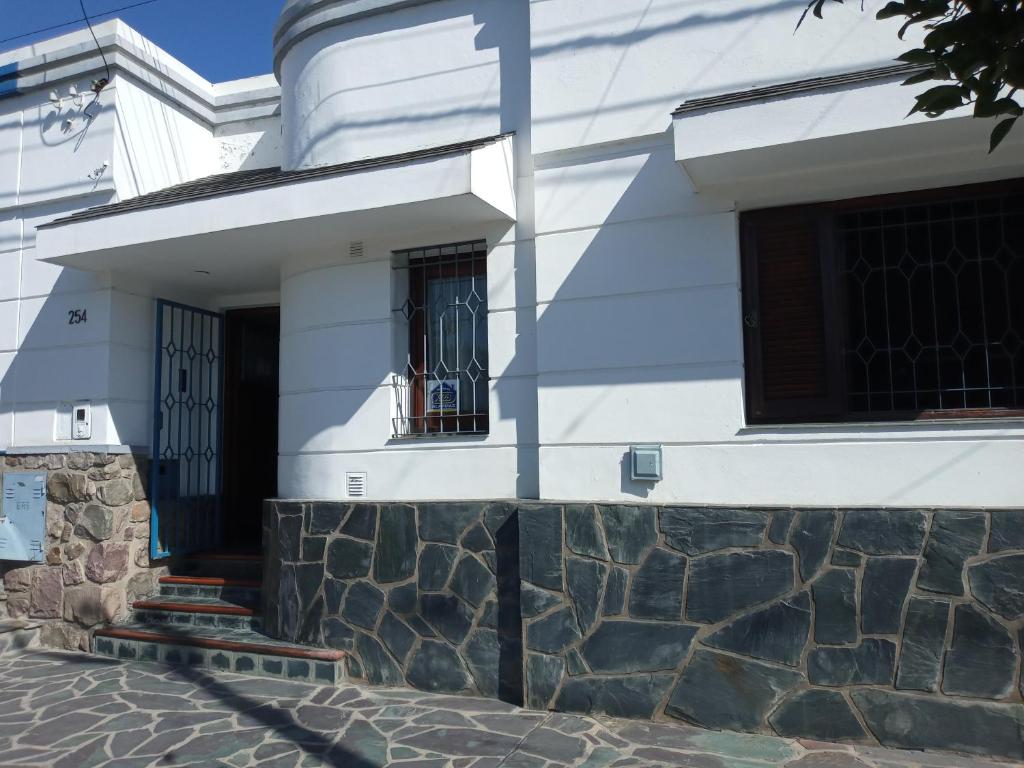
(921, 77)
(891, 10)
(939, 99)
(1005, 106)
(999, 133)
(917, 56)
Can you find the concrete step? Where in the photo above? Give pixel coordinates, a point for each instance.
(244, 651)
(242, 591)
(197, 611)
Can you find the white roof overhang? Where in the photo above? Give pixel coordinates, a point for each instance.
(836, 136)
(243, 234)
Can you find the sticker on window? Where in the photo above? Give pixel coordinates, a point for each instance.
(442, 396)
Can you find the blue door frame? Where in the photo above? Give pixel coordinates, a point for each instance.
(185, 472)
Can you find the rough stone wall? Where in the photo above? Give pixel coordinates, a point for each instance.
(96, 548)
(902, 627)
(411, 591)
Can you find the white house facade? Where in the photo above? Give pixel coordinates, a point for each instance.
(658, 321)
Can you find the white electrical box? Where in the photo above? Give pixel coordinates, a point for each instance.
(81, 422)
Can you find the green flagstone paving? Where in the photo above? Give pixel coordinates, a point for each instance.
(76, 711)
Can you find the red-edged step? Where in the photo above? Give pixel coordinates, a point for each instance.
(292, 652)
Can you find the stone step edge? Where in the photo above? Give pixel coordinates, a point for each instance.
(211, 581)
(313, 654)
(186, 607)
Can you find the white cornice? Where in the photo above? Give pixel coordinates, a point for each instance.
(75, 55)
(301, 18)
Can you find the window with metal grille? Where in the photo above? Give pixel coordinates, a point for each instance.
(443, 388)
(906, 306)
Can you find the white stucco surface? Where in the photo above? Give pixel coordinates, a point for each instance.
(613, 276)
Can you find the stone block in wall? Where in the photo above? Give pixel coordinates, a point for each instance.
(472, 580)
(107, 562)
(982, 661)
(884, 531)
(696, 531)
(907, 721)
(954, 537)
(60, 634)
(612, 648)
(657, 588)
(637, 696)
(65, 487)
(19, 579)
(629, 532)
(872, 662)
(378, 666)
(437, 667)
(394, 557)
(727, 692)
(540, 546)
(998, 584)
(348, 558)
(543, 675)
(47, 595)
(811, 537)
(1007, 530)
(884, 589)
(96, 522)
(585, 579)
(553, 633)
(776, 633)
(722, 585)
(835, 605)
(924, 640)
(782, 520)
(436, 562)
(534, 601)
(583, 532)
(825, 714)
(91, 604)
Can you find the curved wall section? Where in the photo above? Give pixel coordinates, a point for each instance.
(372, 79)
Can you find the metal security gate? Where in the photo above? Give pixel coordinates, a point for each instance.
(185, 475)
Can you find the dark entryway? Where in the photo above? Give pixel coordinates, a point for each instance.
(251, 345)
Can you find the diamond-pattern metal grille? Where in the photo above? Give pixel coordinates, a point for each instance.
(443, 387)
(934, 305)
(185, 481)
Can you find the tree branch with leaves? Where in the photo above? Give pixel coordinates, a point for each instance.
(975, 47)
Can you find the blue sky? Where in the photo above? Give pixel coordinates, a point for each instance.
(219, 39)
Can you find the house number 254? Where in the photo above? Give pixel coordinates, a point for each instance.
(77, 316)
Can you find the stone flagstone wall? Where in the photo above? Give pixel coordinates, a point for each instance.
(423, 595)
(901, 627)
(96, 548)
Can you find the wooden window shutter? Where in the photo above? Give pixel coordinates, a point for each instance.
(789, 310)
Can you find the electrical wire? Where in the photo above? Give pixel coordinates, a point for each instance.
(76, 21)
(106, 66)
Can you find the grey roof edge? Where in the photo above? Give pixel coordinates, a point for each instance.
(795, 87)
(237, 182)
(301, 18)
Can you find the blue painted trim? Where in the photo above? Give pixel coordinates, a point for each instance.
(9, 80)
(154, 464)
